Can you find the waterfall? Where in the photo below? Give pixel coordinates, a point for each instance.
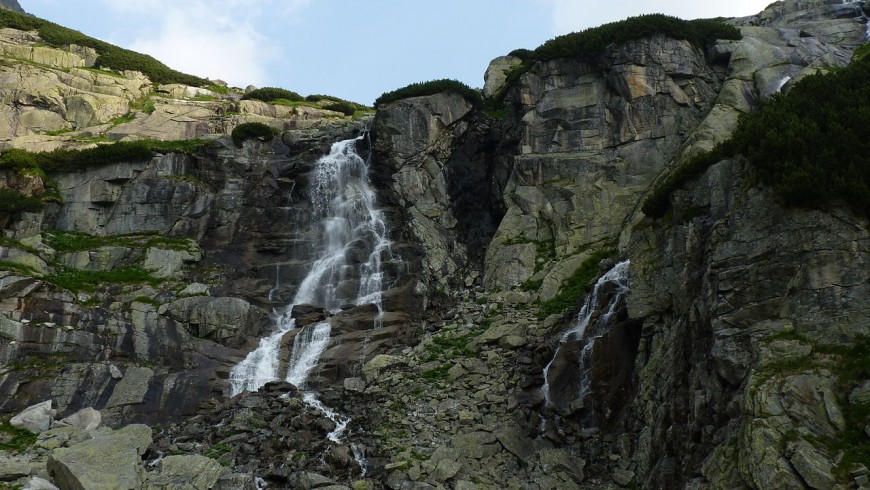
(347, 270)
(580, 330)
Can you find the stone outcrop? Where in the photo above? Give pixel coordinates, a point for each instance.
(109, 460)
(495, 77)
(55, 97)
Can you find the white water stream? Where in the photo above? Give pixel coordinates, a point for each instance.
(347, 270)
(618, 275)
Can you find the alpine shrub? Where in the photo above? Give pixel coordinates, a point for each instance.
(246, 131)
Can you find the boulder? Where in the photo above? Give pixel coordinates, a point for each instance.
(13, 468)
(85, 419)
(37, 483)
(111, 460)
(236, 481)
(36, 418)
(381, 362)
(307, 314)
(132, 388)
(193, 472)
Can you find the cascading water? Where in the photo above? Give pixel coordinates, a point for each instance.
(348, 269)
(580, 330)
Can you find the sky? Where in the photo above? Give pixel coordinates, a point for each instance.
(349, 49)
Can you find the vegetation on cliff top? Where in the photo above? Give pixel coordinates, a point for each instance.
(270, 94)
(110, 56)
(431, 87)
(66, 160)
(811, 144)
(587, 43)
(593, 41)
(246, 131)
(280, 96)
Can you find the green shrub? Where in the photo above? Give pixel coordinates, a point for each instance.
(15, 159)
(522, 53)
(110, 56)
(574, 287)
(431, 88)
(811, 144)
(246, 131)
(66, 160)
(269, 94)
(345, 108)
(12, 201)
(321, 98)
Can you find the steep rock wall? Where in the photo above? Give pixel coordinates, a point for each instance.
(727, 291)
(223, 236)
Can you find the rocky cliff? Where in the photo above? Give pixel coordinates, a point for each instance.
(730, 354)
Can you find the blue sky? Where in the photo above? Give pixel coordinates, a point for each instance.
(354, 50)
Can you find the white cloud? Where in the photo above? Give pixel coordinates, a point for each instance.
(216, 39)
(575, 15)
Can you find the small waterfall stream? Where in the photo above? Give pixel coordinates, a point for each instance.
(600, 319)
(347, 271)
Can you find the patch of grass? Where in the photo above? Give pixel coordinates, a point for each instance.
(188, 178)
(146, 105)
(146, 300)
(530, 285)
(128, 117)
(58, 132)
(448, 345)
(574, 287)
(76, 280)
(75, 241)
(218, 450)
(15, 439)
(14, 266)
(12, 243)
(436, 374)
